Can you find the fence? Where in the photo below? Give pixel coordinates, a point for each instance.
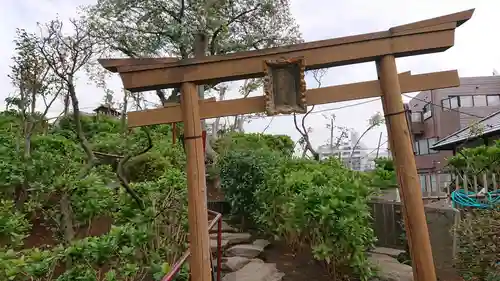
(440, 185)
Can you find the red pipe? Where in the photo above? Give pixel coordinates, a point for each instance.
(219, 247)
(178, 265)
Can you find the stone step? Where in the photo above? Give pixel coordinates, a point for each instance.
(233, 238)
(390, 268)
(387, 251)
(248, 250)
(225, 228)
(234, 263)
(256, 270)
(213, 245)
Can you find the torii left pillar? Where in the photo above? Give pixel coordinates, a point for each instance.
(199, 262)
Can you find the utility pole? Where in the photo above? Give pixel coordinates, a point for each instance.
(378, 146)
(406, 170)
(331, 134)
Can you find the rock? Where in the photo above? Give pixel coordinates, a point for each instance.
(262, 243)
(245, 250)
(234, 263)
(233, 238)
(387, 251)
(255, 271)
(213, 245)
(391, 269)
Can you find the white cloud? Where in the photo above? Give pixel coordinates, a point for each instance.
(475, 52)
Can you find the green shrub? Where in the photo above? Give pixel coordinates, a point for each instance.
(255, 141)
(478, 256)
(241, 172)
(305, 202)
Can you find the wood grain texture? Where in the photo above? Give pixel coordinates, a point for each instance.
(361, 90)
(197, 193)
(406, 171)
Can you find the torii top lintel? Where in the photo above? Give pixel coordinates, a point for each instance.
(423, 37)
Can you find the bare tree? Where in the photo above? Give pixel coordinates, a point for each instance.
(34, 82)
(302, 129)
(376, 120)
(66, 56)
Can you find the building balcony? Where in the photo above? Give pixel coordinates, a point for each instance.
(417, 128)
(416, 123)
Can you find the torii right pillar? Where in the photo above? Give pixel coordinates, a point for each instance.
(406, 171)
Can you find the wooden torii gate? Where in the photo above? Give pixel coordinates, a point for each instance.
(285, 92)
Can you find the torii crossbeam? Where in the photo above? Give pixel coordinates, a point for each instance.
(288, 63)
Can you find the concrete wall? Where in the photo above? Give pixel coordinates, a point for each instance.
(440, 220)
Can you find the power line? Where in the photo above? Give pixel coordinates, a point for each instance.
(441, 106)
(329, 109)
(375, 149)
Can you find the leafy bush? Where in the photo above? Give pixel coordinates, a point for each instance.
(241, 172)
(255, 141)
(384, 175)
(319, 204)
(478, 256)
(142, 243)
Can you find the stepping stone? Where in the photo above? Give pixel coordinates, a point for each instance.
(387, 251)
(391, 269)
(213, 245)
(234, 263)
(255, 271)
(233, 238)
(245, 250)
(261, 243)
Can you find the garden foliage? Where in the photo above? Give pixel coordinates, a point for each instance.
(478, 255)
(113, 238)
(321, 205)
(478, 234)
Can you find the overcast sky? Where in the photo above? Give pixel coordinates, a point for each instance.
(476, 51)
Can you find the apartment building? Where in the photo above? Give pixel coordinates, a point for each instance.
(436, 114)
(363, 158)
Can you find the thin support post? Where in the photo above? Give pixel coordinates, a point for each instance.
(402, 151)
(219, 248)
(199, 262)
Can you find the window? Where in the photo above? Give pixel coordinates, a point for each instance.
(450, 103)
(445, 104)
(480, 100)
(433, 181)
(466, 101)
(422, 147)
(453, 102)
(431, 143)
(427, 111)
(493, 100)
(416, 116)
(423, 182)
(470, 101)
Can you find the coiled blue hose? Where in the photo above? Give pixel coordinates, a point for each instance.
(462, 198)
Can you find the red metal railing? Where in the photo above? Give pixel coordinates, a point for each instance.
(178, 265)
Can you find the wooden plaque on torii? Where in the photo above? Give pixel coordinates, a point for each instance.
(423, 37)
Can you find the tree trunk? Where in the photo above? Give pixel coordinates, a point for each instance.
(67, 222)
(123, 117)
(78, 123)
(200, 48)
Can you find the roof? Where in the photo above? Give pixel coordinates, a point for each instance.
(105, 106)
(489, 125)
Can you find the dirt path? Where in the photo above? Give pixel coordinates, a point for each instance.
(299, 266)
